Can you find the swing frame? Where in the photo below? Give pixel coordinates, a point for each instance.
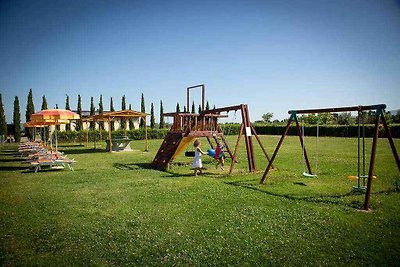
(379, 117)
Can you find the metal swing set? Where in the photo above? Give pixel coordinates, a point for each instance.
(379, 117)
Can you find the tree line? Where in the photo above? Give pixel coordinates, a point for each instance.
(344, 118)
(30, 109)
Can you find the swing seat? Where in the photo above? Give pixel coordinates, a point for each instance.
(189, 153)
(305, 174)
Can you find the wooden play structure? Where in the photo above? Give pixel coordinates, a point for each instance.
(379, 117)
(187, 126)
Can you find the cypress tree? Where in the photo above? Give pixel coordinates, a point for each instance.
(17, 120)
(101, 111)
(207, 106)
(131, 125)
(79, 110)
(67, 107)
(184, 109)
(193, 108)
(92, 112)
(45, 130)
(178, 108)
(162, 123)
(44, 102)
(30, 109)
(123, 107)
(199, 109)
(112, 109)
(3, 123)
(143, 110)
(152, 119)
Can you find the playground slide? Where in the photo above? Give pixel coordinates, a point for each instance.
(182, 145)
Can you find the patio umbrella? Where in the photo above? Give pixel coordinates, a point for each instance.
(54, 117)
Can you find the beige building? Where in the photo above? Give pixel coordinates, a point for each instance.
(86, 125)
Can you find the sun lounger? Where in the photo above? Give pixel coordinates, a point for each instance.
(52, 163)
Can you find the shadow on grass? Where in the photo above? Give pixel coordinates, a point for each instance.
(13, 168)
(9, 150)
(14, 153)
(325, 199)
(148, 166)
(72, 145)
(84, 151)
(13, 159)
(132, 166)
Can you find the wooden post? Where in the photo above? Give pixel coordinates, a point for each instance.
(109, 134)
(236, 149)
(389, 137)
(261, 145)
(101, 136)
(248, 139)
(276, 151)
(146, 148)
(94, 135)
(372, 162)
(299, 132)
(87, 137)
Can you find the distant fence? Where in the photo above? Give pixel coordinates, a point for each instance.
(231, 129)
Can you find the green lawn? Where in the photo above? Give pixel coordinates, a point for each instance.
(115, 210)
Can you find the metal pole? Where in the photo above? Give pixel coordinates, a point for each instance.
(276, 150)
(363, 146)
(187, 100)
(203, 96)
(372, 162)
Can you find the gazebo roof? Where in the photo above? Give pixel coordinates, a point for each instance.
(127, 113)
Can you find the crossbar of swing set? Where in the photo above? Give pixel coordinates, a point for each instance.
(339, 109)
(181, 114)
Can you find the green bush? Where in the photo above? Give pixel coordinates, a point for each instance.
(81, 136)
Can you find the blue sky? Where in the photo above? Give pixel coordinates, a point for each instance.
(272, 55)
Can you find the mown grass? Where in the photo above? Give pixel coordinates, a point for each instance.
(115, 210)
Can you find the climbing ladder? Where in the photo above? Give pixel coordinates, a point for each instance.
(167, 150)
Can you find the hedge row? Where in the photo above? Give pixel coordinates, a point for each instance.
(328, 130)
(232, 129)
(91, 135)
(311, 130)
